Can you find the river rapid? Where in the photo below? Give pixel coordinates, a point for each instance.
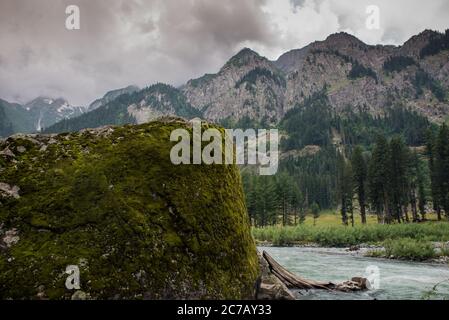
(397, 280)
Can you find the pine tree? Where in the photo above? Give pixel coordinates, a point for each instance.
(360, 172)
(422, 198)
(346, 189)
(305, 208)
(442, 167)
(415, 185)
(296, 202)
(349, 191)
(398, 180)
(378, 173)
(315, 209)
(284, 190)
(420, 186)
(434, 181)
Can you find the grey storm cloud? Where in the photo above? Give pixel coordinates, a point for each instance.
(123, 42)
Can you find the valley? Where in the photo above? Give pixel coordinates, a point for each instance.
(364, 161)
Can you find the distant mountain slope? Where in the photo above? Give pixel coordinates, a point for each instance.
(137, 107)
(46, 111)
(111, 95)
(34, 115)
(14, 118)
(6, 126)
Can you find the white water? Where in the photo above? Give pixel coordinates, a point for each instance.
(399, 280)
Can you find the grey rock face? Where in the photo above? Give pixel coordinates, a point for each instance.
(247, 85)
(250, 85)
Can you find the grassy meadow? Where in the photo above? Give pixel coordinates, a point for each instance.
(412, 241)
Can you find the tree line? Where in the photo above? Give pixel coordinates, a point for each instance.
(272, 200)
(356, 162)
(391, 180)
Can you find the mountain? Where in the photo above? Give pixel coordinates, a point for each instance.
(247, 85)
(14, 118)
(252, 89)
(46, 111)
(34, 115)
(135, 107)
(357, 75)
(111, 95)
(353, 73)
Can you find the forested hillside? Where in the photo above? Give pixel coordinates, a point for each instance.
(353, 161)
(14, 118)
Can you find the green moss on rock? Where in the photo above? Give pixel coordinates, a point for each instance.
(110, 201)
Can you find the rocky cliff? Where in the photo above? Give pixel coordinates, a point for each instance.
(354, 75)
(247, 85)
(110, 202)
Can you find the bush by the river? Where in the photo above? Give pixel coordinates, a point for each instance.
(340, 236)
(408, 249)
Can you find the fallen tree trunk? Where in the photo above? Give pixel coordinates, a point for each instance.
(293, 281)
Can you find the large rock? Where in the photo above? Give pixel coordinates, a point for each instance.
(110, 202)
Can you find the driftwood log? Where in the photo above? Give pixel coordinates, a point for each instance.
(293, 281)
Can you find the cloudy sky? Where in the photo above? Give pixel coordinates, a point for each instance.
(123, 42)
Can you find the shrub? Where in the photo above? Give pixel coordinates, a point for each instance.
(409, 249)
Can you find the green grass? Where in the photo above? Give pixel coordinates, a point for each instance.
(340, 236)
(333, 218)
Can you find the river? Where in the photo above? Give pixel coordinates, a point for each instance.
(398, 280)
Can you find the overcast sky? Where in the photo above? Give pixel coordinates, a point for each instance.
(123, 42)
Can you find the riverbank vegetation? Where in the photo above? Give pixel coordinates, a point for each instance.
(406, 248)
(342, 236)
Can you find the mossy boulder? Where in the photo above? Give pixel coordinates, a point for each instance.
(110, 201)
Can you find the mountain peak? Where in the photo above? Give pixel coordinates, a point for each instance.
(414, 45)
(243, 57)
(45, 101)
(247, 52)
(426, 35)
(111, 95)
(342, 39)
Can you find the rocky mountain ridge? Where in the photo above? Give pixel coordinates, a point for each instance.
(353, 75)
(352, 72)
